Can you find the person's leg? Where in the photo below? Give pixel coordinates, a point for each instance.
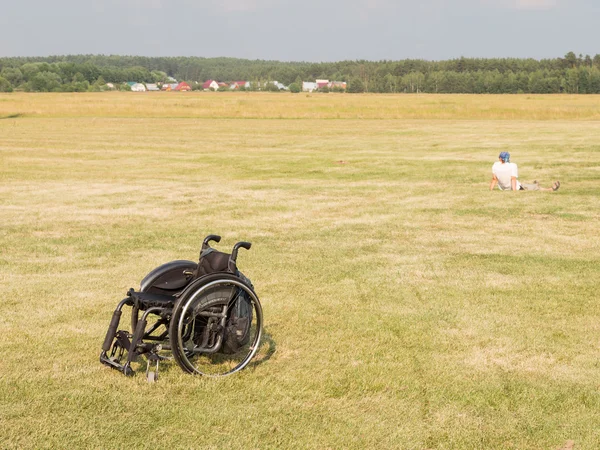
(530, 186)
(554, 187)
(536, 187)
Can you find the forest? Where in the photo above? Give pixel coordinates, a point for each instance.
(573, 74)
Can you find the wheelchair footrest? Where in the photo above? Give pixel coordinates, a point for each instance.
(123, 368)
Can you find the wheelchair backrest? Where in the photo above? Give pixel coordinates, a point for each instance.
(212, 261)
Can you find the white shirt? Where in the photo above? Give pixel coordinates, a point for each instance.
(504, 172)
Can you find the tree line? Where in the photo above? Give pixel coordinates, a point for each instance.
(569, 74)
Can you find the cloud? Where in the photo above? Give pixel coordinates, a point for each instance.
(536, 4)
(241, 5)
(139, 4)
(523, 5)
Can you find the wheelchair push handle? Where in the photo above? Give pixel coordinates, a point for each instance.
(208, 239)
(234, 253)
(245, 245)
(211, 237)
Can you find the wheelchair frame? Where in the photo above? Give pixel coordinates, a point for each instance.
(205, 311)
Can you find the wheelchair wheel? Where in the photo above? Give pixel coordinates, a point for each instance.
(216, 326)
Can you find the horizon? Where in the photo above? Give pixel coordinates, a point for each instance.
(577, 54)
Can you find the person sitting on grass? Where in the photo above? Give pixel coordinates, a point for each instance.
(505, 174)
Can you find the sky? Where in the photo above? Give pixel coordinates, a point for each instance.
(302, 30)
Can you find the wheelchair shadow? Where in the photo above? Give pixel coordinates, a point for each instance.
(267, 348)
(263, 356)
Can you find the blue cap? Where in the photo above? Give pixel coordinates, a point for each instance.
(505, 156)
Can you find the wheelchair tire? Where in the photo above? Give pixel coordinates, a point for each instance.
(216, 326)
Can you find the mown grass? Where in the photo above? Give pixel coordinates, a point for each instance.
(252, 105)
(406, 306)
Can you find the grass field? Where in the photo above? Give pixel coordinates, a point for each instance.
(406, 306)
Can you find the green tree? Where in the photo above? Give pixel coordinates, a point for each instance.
(390, 83)
(158, 76)
(570, 60)
(270, 87)
(138, 74)
(5, 85)
(413, 82)
(572, 81)
(45, 82)
(434, 81)
(79, 86)
(67, 70)
(29, 70)
(295, 88)
(594, 82)
(78, 78)
(584, 80)
(13, 75)
(355, 86)
(462, 75)
(100, 82)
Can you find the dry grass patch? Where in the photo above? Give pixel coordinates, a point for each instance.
(208, 105)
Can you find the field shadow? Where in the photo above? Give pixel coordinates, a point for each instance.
(12, 116)
(263, 357)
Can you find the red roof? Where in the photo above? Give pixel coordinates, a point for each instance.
(206, 84)
(183, 86)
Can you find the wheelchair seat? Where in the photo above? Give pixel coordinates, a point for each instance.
(146, 300)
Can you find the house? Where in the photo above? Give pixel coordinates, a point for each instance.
(222, 85)
(137, 87)
(322, 83)
(210, 85)
(183, 87)
(152, 87)
(239, 84)
(110, 86)
(337, 84)
(279, 85)
(169, 86)
(308, 86)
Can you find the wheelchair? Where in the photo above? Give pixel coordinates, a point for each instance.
(206, 316)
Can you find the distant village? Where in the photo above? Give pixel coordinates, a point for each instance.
(213, 85)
